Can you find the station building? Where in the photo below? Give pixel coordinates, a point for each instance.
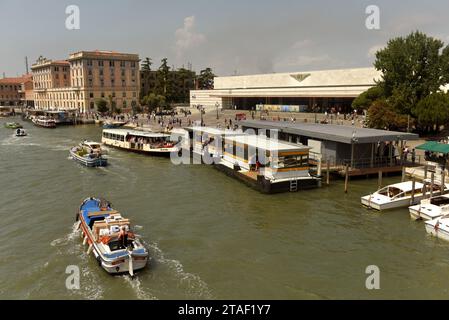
(295, 91)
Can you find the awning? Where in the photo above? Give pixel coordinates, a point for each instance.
(434, 146)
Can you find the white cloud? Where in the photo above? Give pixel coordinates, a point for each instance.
(187, 37)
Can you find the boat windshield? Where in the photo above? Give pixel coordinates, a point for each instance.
(391, 192)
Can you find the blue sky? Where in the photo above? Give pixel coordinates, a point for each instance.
(243, 37)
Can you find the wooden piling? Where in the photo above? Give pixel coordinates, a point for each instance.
(425, 171)
(403, 174)
(443, 176)
(432, 183)
(328, 172)
(379, 182)
(346, 178)
(412, 200)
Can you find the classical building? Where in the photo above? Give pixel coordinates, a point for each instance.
(303, 91)
(84, 78)
(16, 91)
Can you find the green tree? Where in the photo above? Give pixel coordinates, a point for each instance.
(413, 67)
(102, 106)
(146, 64)
(206, 79)
(163, 84)
(432, 112)
(366, 99)
(154, 101)
(381, 116)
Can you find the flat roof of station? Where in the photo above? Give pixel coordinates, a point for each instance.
(337, 133)
(216, 131)
(264, 143)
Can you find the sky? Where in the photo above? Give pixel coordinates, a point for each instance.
(230, 36)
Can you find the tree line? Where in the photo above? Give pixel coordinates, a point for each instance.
(411, 94)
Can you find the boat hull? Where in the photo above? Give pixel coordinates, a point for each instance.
(440, 233)
(91, 163)
(166, 152)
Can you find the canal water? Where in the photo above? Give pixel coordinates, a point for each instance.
(209, 236)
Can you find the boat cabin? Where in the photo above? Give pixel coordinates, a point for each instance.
(137, 140)
(271, 158)
(209, 139)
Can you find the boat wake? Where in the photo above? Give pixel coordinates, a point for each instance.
(193, 284)
(137, 287)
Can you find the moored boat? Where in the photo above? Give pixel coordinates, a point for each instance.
(13, 125)
(113, 124)
(147, 142)
(44, 122)
(109, 237)
(438, 228)
(88, 158)
(430, 209)
(399, 195)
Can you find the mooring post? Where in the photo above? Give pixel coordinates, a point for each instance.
(379, 182)
(442, 182)
(412, 200)
(328, 171)
(346, 178)
(425, 171)
(403, 173)
(432, 181)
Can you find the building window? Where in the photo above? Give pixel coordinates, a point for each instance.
(111, 63)
(102, 94)
(89, 63)
(91, 95)
(124, 95)
(101, 72)
(122, 64)
(100, 63)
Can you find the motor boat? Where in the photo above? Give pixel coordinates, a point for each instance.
(438, 228)
(44, 122)
(399, 195)
(88, 158)
(431, 208)
(110, 238)
(13, 125)
(21, 133)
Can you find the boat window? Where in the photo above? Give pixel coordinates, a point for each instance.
(394, 192)
(293, 161)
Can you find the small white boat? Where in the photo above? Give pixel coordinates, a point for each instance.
(21, 133)
(398, 195)
(430, 209)
(89, 159)
(438, 228)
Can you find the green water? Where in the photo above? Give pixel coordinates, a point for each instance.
(209, 236)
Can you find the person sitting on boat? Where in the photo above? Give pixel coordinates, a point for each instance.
(123, 237)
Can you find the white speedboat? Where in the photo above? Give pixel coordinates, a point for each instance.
(398, 195)
(430, 209)
(86, 158)
(438, 228)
